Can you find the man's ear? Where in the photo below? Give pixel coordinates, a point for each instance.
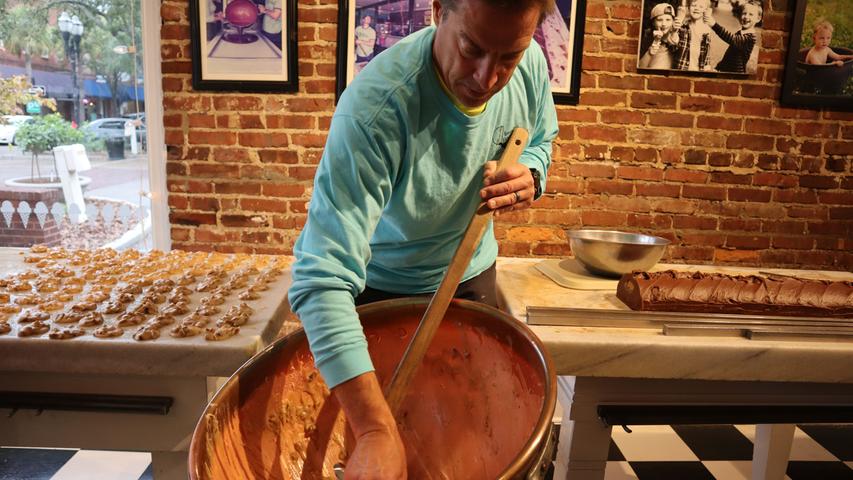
(437, 10)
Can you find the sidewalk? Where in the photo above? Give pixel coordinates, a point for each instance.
(117, 179)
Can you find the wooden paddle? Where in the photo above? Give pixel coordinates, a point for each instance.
(414, 354)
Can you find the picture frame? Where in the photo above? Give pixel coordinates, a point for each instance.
(730, 47)
(808, 83)
(389, 26)
(561, 37)
(235, 46)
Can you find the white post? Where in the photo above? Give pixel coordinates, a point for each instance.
(130, 131)
(71, 159)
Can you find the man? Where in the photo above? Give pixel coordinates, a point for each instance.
(271, 23)
(365, 40)
(401, 175)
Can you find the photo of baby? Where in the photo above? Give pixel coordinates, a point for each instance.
(701, 36)
(819, 68)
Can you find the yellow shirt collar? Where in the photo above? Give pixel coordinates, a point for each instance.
(470, 111)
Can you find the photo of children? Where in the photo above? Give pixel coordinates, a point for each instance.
(701, 36)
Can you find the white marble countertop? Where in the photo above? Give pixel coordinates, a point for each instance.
(167, 356)
(647, 353)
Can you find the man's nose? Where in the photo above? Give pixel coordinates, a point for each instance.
(486, 74)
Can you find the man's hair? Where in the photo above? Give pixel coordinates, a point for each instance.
(738, 9)
(546, 7)
(823, 24)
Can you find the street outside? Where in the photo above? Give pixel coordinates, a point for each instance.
(121, 180)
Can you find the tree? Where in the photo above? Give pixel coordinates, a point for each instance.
(15, 91)
(21, 38)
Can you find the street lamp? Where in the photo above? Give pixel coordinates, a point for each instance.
(71, 29)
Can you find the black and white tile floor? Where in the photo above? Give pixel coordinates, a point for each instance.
(721, 452)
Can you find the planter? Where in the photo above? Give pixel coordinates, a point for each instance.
(42, 182)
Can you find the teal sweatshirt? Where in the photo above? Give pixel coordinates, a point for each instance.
(398, 182)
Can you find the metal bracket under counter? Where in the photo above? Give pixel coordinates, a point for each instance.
(86, 402)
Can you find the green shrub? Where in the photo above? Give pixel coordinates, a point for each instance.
(49, 131)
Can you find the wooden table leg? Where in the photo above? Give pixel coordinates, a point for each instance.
(584, 439)
(772, 451)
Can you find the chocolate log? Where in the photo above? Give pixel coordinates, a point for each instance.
(674, 291)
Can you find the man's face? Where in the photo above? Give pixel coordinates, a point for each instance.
(697, 9)
(477, 47)
(365, 22)
(750, 16)
(663, 22)
(822, 37)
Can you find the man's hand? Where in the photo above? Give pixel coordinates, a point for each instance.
(508, 190)
(379, 453)
(708, 17)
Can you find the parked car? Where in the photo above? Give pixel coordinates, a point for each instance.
(105, 128)
(9, 127)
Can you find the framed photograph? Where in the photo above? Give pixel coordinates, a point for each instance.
(244, 45)
(819, 67)
(367, 27)
(707, 36)
(561, 37)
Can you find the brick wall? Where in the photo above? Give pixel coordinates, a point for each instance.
(715, 164)
(17, 234)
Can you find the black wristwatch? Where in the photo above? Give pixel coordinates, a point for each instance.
(537, 183)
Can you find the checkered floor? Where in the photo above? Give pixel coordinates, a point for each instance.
(721, 452)
(724, 452)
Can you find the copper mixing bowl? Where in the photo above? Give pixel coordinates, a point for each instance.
(479, 406)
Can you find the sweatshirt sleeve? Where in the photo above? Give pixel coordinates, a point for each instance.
(351, 187)
(538, 152)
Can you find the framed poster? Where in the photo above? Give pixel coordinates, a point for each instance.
(561, 37)
(367, 27)
(819, 66)
(709, 36)
(244, 45)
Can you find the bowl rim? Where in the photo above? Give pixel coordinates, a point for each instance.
(580, 234)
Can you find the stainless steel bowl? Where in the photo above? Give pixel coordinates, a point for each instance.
(611, 253)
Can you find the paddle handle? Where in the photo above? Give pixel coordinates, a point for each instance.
(420, 341)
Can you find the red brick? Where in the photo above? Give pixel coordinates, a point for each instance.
(283, 190)
(640, 173)
(244, 221)
(683, 175)
(592, 63)
(670, 84)
(748, 242)
(818, 181)
(278, 156)
(748, 90)
(188, 218)
(604, 219)
(750, 142)
(565, 114)
(610, 187)
(263, 139)
(656, 222)
(624, 82)
(715, 87)
(196, 137)
(241, 188)
(679, 120)
(775, 180)
(605, 134)
(231, 155)
(740, 224)
(605, 99)
(836, 198)
(787, 227)
(622, 117)
(841, 213)
(748, 108)
(692, 222)
(701, 104)
(838, 148)
(749, 195)
(592, 170)
(772, 127)
(719, 123)
(318, 15)
(653, 101)
(703, 192)
(795, 196)
(730, 178)
(657, 190)
(793, 243)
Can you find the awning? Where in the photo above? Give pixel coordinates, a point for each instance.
(93, 88)
(126, 93)
(57, 84)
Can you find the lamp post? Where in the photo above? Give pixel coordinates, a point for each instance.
(71, 29)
